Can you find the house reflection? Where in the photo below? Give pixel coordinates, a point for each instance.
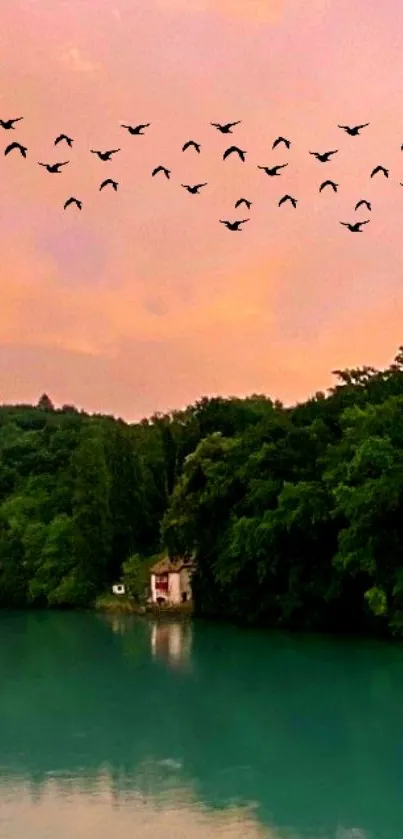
(172, 641)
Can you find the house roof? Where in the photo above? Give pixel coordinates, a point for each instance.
(169, 565)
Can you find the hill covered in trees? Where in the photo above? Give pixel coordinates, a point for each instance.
(294, 515)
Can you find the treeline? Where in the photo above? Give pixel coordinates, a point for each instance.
(294, 515)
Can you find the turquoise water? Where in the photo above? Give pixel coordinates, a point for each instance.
(119, 727)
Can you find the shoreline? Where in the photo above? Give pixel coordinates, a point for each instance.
(127, 606)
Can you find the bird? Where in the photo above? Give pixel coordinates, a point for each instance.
(114, 184)
(167, 172)
(136, 129)
(273, 170)
(234, 225)
(104, 155)
(11, 146)
(189, 143)
(245, 201)
(281, 140)
(355, 130)
(380, 169)
(9, 123)
(288, 198)
(233, 149)
(328, 183)
(226, 127)
(54, 168)
(361, 203)
(194, 190)
(325, 157)
(73, 201)
(356, 227)
(61, 137)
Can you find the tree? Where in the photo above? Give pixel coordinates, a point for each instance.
(45, 404)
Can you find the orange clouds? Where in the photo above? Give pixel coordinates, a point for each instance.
(144, 301)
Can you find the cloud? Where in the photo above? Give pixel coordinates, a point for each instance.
(269, 11)
(75, 61)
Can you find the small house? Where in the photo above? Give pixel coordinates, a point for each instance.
(171, 580)
(118, 588)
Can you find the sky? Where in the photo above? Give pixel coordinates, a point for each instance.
(143, 301)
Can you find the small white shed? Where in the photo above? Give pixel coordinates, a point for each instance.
(118, 588)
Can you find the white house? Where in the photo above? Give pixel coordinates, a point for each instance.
(171, 581)
(118, 588)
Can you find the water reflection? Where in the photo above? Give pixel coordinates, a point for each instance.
(172, 641)
(137, 730)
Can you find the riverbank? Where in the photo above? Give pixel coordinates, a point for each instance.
(124, 605)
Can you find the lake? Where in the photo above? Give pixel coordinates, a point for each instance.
(116, 727)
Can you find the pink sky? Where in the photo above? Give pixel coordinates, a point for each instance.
(143, 302)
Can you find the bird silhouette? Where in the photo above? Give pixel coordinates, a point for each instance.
(356, 227)
(234, 225)
(380, 169)
(114, 184)
(281, 140)
(22, 149)
(272, 171)
(194, 190)
(355, 130)
(288, 198)
(9, 123)
(325, 157)
(226, 127)
(73, 201)
(361, 204)
(54, 168)
(328, 183)
(167, 172)
(190, 143)
(104, 155)
(64, 137)
(136, 129)
(235, 149)
(245, 201)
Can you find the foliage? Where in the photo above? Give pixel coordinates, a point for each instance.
(293, 515)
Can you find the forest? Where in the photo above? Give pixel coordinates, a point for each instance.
(294, 515)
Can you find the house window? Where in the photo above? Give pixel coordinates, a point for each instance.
(161, 582)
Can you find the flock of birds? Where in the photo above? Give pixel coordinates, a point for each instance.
(194, 189)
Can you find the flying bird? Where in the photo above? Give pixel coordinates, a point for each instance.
(54, 168)
(245, 201)
(354, 130)
(356, 227)
(380, 169)
(233, 149)
(325, 157)
(104, 155)
(73, 201)
(190, 143)
(273, 170)
(226, 128)
(167, 172)
(281, 140)
(136, 129)
(9, 123)
(194, 190)
(22, 149)
(64, 137)
(328, 183)
(361, 204)
(114, 184)
(288, 198)
(234, 225)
